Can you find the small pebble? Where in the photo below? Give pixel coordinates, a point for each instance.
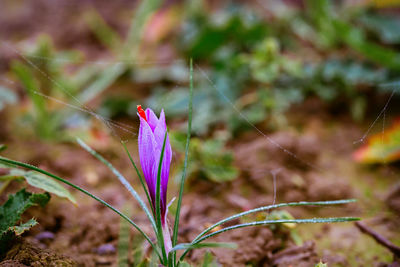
(105, 249)
(45, 235)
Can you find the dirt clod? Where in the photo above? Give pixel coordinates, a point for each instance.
(26, 254)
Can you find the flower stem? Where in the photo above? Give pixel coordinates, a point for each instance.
(167, 238)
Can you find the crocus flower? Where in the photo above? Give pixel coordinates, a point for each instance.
(151, 138)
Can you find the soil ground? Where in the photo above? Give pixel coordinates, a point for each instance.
(81, 232)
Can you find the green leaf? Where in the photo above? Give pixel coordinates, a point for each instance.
(184, 264)
(20, 229)
(209, 260)
(11, 211)
(124, 240)
(187, 246)
(321, 264)
(40, 181)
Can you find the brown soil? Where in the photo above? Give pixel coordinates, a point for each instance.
(23, 254)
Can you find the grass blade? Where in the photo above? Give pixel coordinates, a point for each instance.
(107, 77)
(31, 167)
(158, 202)
(138, 23)
(178, 207)
(121, 179)
(124, 240)
(266, 222)
(188, 246)
(302, 203)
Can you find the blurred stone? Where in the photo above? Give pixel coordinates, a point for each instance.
(46, 235)
(106, 249)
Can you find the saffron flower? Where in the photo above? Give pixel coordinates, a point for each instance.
(151, 139)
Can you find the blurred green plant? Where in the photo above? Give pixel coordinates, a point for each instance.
(285, 227)
(46, 73)
(321, 264)
(384, 27)
(209, 260)
(206, 36)
(332, 26)
(249, 64)
(44, 76)
(124, 51)
(209, 158)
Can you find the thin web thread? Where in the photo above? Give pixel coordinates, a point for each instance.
(382, 112)
(58, 85)
(269, 139)
(119, 125)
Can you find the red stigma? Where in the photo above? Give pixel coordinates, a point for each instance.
(141, 112)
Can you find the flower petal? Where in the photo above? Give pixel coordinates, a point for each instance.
(147, 154)
(159, 133)
(151, 118)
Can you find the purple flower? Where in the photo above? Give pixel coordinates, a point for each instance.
(151, 138)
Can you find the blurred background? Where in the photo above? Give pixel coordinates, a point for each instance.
(294, 100)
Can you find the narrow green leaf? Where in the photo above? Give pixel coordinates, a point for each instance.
(189, 246)
(267, 222)
(142, 13)
(102, 30)
(137, 252)
(124, 240)
(25, 75)
(270, 207)
(182, 186)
